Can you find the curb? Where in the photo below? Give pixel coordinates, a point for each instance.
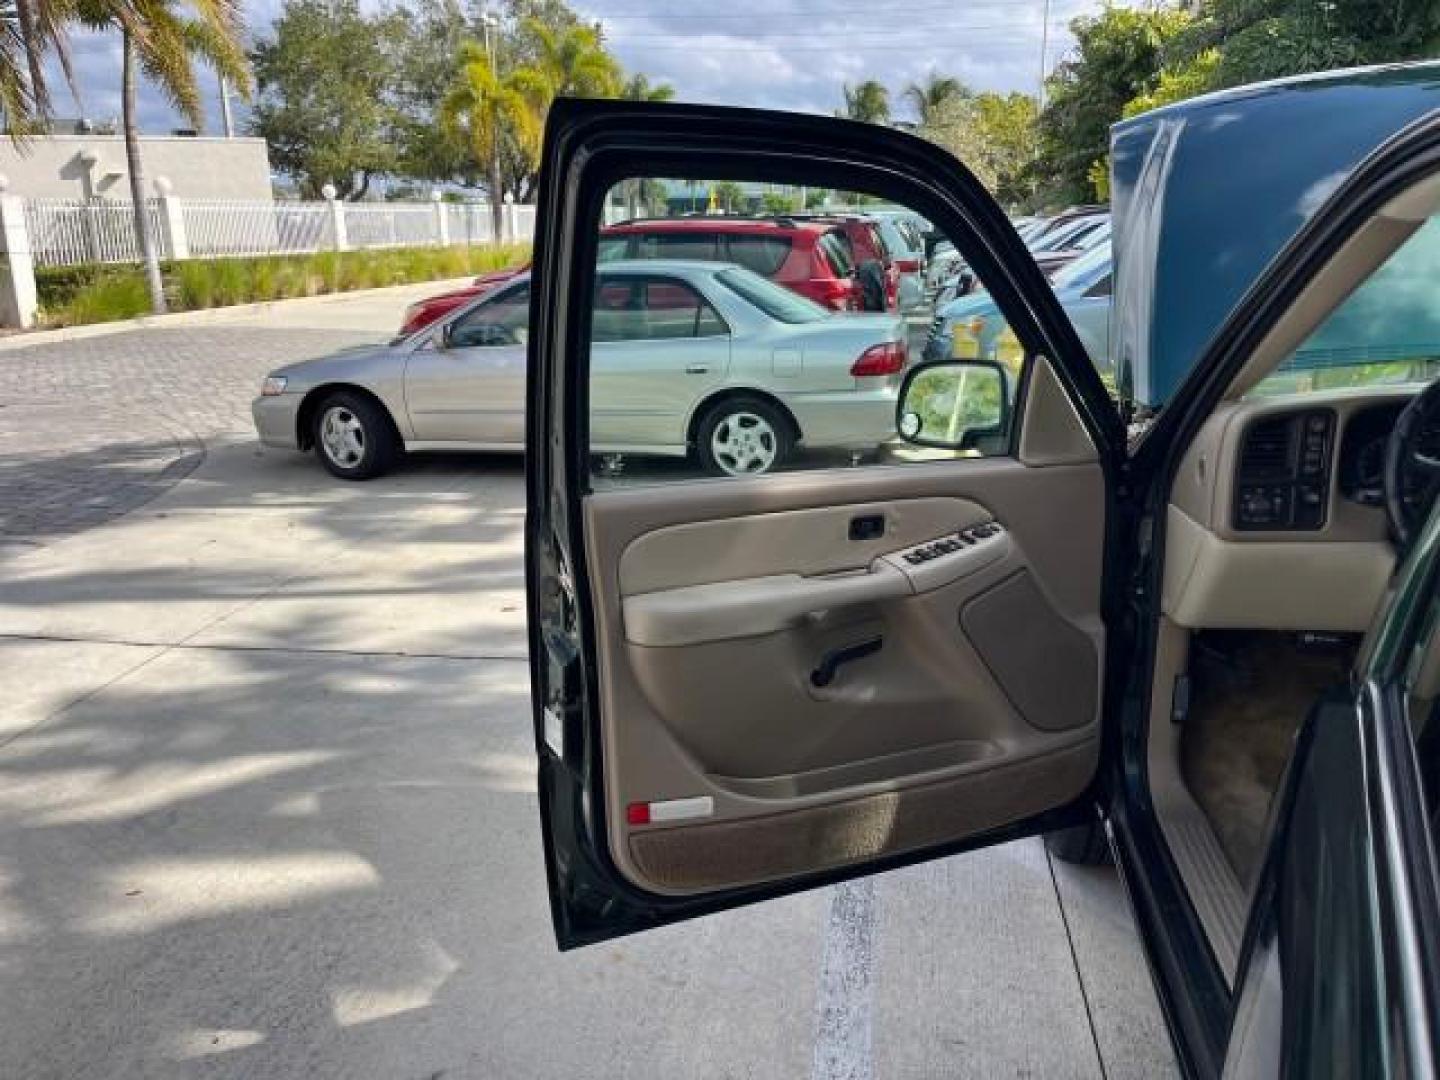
(203, 316)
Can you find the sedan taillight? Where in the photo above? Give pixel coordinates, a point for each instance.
(908, 266)
(886, 359)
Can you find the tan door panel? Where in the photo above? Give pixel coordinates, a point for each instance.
(734, 594)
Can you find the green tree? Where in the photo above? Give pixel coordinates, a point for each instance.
(730, 197)
(868, 102)
(1178, 82)
(547, 36)
(424, 46)
(1240, 41)
(1118, 57)
(29, 31)
(161, 39)
(934, 95)
(640, 88)
(325, 76)
(1008, 138)
(483, 109)
(1267, 39)
(573, 61)
(773, 202)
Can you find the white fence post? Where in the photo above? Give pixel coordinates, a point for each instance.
(172, 219)
(442, 219)
(337, 218)
(18, 297)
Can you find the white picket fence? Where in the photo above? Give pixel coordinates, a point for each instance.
(67, 232)
(64, 232)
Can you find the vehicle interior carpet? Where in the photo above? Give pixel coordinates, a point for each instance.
(1250, 691)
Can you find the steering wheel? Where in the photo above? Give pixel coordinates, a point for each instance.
(1412, 477)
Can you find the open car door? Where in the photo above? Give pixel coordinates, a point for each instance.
(848, 651)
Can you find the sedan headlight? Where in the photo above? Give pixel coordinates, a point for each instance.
(273, 385)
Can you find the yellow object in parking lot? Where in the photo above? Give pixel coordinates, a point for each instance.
(1009, 352)
(965, 339)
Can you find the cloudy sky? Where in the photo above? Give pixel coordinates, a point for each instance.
(788, 54)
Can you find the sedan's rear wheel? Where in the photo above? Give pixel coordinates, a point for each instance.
(744, 437)
(353, 437)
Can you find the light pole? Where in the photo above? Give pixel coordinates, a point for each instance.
(1044, 42)
(490, 26)
(227, 118)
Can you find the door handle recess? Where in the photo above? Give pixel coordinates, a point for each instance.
(824, 674)
(696, 614)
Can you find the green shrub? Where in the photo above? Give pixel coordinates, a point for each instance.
(70, 295)
(118, 294)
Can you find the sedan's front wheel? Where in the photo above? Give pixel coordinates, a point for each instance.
(354, 437)
(744, 437)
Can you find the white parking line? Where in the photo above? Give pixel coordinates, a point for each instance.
(844, 1047)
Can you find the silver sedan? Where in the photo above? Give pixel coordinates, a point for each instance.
(686, 358)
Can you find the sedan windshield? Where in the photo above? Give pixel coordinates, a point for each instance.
(774, 300)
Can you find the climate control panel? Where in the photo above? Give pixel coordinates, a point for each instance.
(1282, 481)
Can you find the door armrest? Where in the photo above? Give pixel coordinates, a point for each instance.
(723, 610)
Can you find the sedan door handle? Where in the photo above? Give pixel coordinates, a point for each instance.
(697, 369)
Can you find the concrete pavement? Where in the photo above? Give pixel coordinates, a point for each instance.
(267, 810)
(97, 420)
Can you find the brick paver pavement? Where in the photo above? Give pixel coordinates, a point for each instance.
(92, 428)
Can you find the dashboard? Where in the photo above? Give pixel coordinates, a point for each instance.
(1286, 461)
(1277, 517)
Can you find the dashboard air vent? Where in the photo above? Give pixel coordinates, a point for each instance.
(1266, 452)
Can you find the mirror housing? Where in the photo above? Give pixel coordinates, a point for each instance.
(950, 404)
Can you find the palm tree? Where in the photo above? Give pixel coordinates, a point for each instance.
(868, 102)
(483, 108)
(639, 88)
(28, 30)
(637, 189)
(573, 61)
(162, 39)
(931, 97)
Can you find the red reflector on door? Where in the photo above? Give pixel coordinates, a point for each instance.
(638, 813)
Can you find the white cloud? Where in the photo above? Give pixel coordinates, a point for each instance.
(783, 54)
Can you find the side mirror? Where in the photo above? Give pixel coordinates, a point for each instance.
(949, 404)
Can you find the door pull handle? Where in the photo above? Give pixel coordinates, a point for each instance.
(698, 369)
(824, 675)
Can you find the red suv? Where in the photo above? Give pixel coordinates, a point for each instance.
(816, 258)
(866, 244)
(812, 258)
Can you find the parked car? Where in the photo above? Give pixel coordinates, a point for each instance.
(948, 275)
(865, 244)
(1061, 246)
(1061, 220)
(424, 312)
(703, 359)
(809, 258)
(1083, 289)
(1192, 629)
(904, 236)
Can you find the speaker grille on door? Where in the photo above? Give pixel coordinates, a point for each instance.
(1047, 668)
